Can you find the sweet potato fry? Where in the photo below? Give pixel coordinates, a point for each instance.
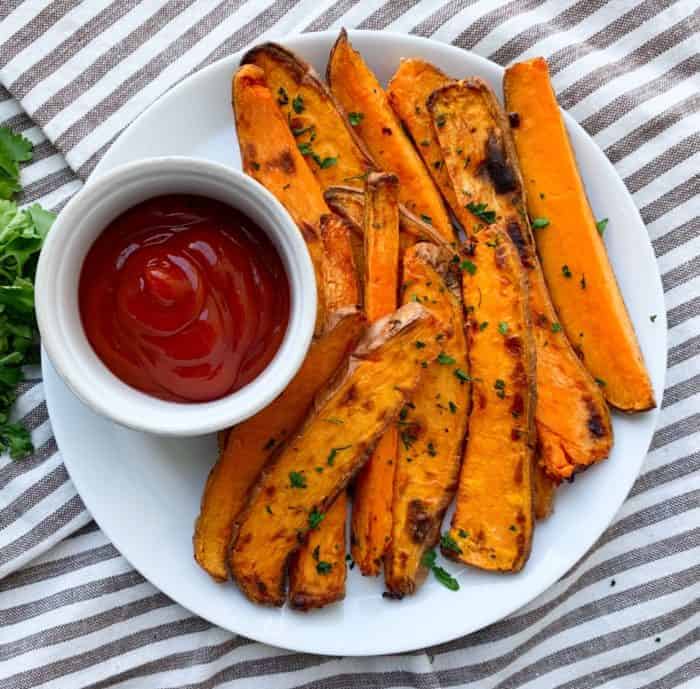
(299, 485)
(432, 425)
(408, 92)
(544, 489)
(250, 444)
(327, 140)
(493, 521)
(340, 283)
(575, 264)
(317, 571)
(357, 89)
(371, 511)
(349, 203)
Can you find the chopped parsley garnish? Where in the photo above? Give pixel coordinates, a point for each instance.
(334, 452)
(500, 387)
(443, 576)
(408, 436)
(305, 148)
(463, 534)
(297, 480)
(298, 104)
(335, 420)
(429, 558)
(540, 223)
(324, 163)
(483, 325)
(503, 327)
(355, 118)
(440, 121)
(468, 266)
(600, 382)
(449, 543)
(256, 166)
(453, 407)
(481, 212)
(282, 97)
(315, 518)
(601, 225)
(268, 509)
(431, 449)
(445, 359)
(323, 567)
(464, 377)
(566, 272)
(419, 344)
(426, 218)
(653, 317)
(556, 327)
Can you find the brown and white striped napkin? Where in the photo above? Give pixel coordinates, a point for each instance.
(73, 613)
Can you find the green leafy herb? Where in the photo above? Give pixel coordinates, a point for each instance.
(323, 567)
(334, 452)
(432, 451)
(653, 317)
(449, 543)
(462, 533)
(483, 325)
(468, 266)
(440, 121)
(355, 118)
(419, 344)
(464, 377)
(282, 97)
(426, 218)
(297, 480)
(298, 105)
(503, 327)
(601, 225)
(22, 234)
(600, 382)
(566, 272)
(556, 327)
(445, 578)
(268, 509)
(481, 212)
(429, 558)
(453, 407)
(540, 223)
(500, 387)
(315, 518)
(445, 359)
(324, 163)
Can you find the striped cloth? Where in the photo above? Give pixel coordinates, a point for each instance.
(73, 612)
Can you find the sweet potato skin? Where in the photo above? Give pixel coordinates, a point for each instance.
(317, 571)
(371, 512)
(315, 117)
(494, 520)
(302, 480)
(589, 302)
(432, 425)
(357, 89)
(250, 444)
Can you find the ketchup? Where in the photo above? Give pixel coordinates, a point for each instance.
(184, 298)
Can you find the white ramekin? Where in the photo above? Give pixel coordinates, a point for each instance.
(58, 274)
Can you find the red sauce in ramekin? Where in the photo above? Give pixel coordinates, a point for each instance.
(184, 298)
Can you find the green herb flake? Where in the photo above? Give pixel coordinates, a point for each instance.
(445, 578)
(298, 105)
(268, 509)
(600, 382)
(500, 388)
(282, 97)
(463, 377)
(335, 420)
(481, 212)
(426, 218)
(355, 118)
(601, 225)
(445, 359)
(256, 166)
(566, 272)
(432, 451)
(429, 558)
(269, 444)
(449, 543)
(483, 325)
(334, 453)
(540, 223)
(440, 121)
(653, 317)
(503, 328)
(453, 407)
(468, 266)
(297, 479)
(419, 344)
(315, 518)
(463, 534)
(323, 567)
(556, 327)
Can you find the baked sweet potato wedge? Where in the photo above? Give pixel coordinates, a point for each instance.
(357, 90)
(322, 131)
(574, 260)
(408, 92)
(349, 203)
(301, 482)
(493, 522)
(432, 425)
(371, 509)
(566, 442)
(340, 282)
(250, 444)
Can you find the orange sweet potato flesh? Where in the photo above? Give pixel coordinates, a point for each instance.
(250, 444)
(317, 571)
(408, 92)
(431, 426)
(589, 302)
(316, 119)
(357, 90)
(494, 518)
(301, 482)
(371, 511)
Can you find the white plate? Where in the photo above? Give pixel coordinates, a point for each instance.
(144, 491)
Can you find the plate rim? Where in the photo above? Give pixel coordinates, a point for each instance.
(282, 638)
